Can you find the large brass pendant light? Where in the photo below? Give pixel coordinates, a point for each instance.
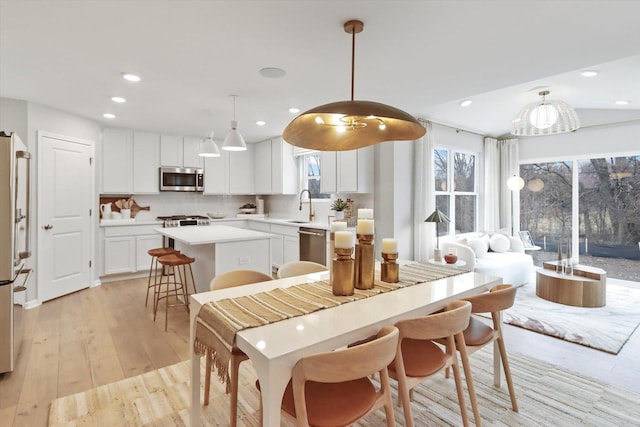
(347, 125)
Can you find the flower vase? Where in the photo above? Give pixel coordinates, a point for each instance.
(339, 215)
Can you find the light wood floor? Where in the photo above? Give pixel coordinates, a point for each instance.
(103, 334)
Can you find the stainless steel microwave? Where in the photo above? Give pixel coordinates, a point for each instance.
(181, 179)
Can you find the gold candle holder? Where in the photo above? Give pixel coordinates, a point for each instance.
(332, 252)
(389, 270)
(365, 262)
(342, 281)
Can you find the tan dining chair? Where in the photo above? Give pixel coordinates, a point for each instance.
(221, 281)
(478, 334)
(334, 388)
(298, 268)
(419, 357)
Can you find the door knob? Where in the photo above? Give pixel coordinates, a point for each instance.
(48, 227)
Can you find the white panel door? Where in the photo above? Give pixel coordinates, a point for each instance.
(120, 255)
(64, 204)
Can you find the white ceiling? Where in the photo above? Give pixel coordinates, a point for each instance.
(421, 56)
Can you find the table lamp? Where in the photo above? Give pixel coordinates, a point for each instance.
(437, 217)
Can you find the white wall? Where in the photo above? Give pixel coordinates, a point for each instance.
(13, 117)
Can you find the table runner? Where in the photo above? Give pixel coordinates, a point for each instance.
(218, 321)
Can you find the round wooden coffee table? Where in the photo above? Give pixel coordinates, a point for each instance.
(586, 287)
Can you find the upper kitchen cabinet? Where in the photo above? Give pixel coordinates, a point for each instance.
(180, 152)
(117, 161)
(241, 171)
(275, 168)
(347, 171)
(216, 174)
(146, 163)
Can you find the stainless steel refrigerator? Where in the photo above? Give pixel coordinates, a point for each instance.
(15, 165)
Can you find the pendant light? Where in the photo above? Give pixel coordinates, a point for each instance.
(234, 141)
(208, 147)
(346, 125)
(545, 118)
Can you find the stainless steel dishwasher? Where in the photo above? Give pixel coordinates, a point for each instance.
(313, 245)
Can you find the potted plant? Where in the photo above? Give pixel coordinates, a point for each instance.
(339, 206)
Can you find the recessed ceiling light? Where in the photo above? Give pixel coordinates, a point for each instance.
(261, 123)
(109, 116)
(294, 110)
(118, 99)
(131, 77)
(272, 72)
(623, 102)
(466, 103)
(589, 73)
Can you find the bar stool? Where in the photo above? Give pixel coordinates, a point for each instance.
(155, 254)
(176, 284)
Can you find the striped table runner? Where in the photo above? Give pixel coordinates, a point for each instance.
(218, 321)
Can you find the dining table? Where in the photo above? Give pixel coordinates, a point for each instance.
(274, 348)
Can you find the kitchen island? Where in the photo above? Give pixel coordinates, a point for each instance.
(221, 248)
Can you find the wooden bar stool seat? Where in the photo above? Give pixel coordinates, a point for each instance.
(153, 269)
(176, 284)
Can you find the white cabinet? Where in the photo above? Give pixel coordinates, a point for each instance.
(263, 167)
(190, 150)
(347, 171)
(180, 152)
(285, 244)
(241, 171)
(276, 170)
(119, 255)
(143, 244)
(216, 174)
(146, 163)
(117, 169)
(124, 248)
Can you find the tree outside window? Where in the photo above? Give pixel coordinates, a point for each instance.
(312, 177)
(456, 189)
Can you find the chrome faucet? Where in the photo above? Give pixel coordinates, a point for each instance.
(311, 215)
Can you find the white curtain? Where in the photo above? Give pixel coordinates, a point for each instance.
(424, 195)
(491, 185)
(509, 156)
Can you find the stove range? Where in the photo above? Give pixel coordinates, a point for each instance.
(182, 220)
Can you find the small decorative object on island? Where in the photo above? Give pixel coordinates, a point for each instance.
(248, 208)
(389, 270)
(364, 255)
(559, 265)
(342, 265)
(339, 206)
(451, 257)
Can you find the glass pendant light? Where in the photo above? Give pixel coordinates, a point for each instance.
(234, 141)
(208, 147)
(347, 125)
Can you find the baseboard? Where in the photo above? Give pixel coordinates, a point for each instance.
(31, 304)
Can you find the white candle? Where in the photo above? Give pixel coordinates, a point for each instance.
(343, 240)
(338, 226)
(365, 226)
(365, 213)
(389, 246)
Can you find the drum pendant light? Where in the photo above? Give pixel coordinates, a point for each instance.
(347, 125)
(234, 141)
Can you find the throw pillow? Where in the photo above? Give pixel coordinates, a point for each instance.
(479, 247)
(499, 243)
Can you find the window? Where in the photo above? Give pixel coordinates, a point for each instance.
(311, 175)
(456, 190)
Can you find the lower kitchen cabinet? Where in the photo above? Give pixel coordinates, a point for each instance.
(124, 248)
(285, 245)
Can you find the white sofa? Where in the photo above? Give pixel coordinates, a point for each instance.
(506, 260)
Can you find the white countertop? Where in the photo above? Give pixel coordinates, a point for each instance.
(132, 221)
(203, 234)
(281, 221)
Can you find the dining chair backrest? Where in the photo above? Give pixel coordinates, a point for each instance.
(447, 323)
(500, 297)
(234, 278)
(298, 268)
(350, 363)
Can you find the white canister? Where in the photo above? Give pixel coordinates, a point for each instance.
(126, 213)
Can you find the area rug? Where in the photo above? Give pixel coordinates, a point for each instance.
(547, 395)
(604, 328)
